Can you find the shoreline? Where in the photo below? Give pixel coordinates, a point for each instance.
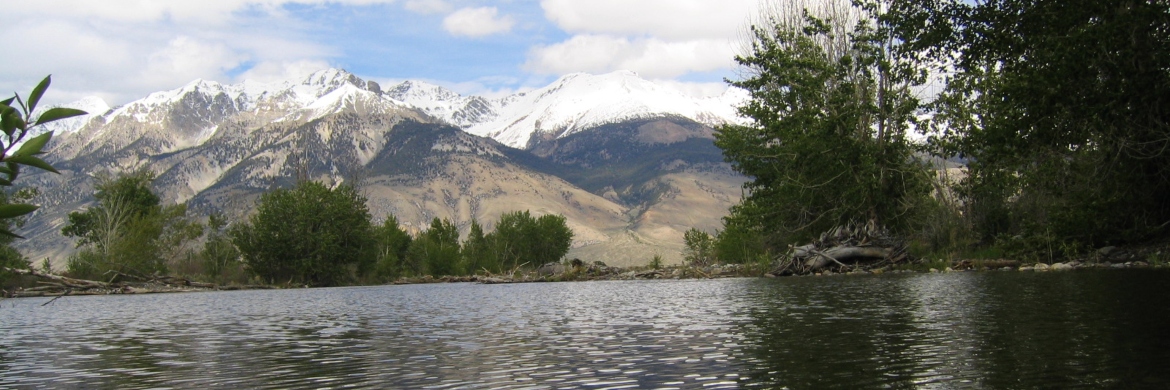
(611, 273)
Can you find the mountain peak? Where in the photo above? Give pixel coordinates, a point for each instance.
(333, 77)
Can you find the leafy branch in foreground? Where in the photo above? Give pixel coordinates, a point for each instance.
(17, 122)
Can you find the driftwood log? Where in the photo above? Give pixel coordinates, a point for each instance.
(119, 284)
(848, 247)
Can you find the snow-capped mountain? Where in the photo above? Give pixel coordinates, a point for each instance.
(580, 101)
(572, 103)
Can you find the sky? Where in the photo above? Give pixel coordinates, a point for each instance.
(121, 50)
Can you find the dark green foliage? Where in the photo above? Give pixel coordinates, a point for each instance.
(9, 256)
(521, 240)
(128, 231)
(477, 254)
(738, 243)
(16, 122)
(1060, 108)
(310, 234)
(391, 244)
(436, 251)
(831, 107)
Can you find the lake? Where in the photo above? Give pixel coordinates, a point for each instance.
(998, 329)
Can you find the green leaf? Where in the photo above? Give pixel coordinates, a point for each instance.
(15, 210)
(8, 101)
(34, 145)
(10, 119)
(59, 113)
(35, 96)
(31, 161)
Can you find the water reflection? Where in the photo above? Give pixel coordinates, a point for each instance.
(979, 330)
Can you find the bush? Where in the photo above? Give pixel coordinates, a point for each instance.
(309, 234)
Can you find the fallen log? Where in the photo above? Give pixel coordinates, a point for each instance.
(852, 247)
(844, 253)
(64, 281)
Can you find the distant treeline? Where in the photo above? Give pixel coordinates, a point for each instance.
(310, 234)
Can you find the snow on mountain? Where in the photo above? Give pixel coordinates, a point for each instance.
(439, 102)
(581, 101)
(93, 105)
(574, 102)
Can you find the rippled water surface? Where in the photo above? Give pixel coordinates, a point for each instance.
(1088, 329)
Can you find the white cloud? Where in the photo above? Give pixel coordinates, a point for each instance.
(696, 90)
(656, 38)
(205, 11)
(650, 57)
(277, 71)
(477, 22)
(125, 49)
(185, 59)
(664, 19)
(428, 7)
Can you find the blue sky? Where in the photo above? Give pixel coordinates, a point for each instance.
(121, 50)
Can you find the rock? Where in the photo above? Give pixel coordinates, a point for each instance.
(1106, 251)
(948, 269)
(1026, 268)
(1118, 265)
(551, 269)
(1041, 267)
(373, 87)
(932, 270)
(1061, 267)
(1006, 269)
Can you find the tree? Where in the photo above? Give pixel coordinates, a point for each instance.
(1060, 110)
(128, 231)
(309, 234)
(436, 250)
(218, 254)
(17, 123)
(391, 244)
(521, 240)
(830, 108)
(700, 248)
(477, 254)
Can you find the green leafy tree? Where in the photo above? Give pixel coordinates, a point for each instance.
(477, 254)
(521, 240)
(830, 107)
(739, 243)
(17, 122)
(700, 248)
(128, 230)
(436, 250)
(1060, 109)
(309, 234)
(391, 244)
